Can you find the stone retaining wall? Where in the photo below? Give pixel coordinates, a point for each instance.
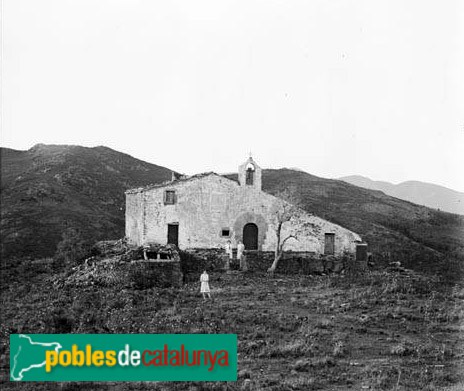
(295, 263)
(194, 261)
(160, 273)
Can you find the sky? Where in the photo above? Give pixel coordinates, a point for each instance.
(335, 88)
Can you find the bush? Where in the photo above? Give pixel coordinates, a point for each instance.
(72, 248)
(63, 322)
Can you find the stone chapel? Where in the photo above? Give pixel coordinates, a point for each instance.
(206, 210)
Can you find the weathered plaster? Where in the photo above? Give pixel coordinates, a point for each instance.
(205, 204)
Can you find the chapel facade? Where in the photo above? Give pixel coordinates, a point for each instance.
(207, 210)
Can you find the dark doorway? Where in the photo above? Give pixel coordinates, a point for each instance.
(250, 236)
(329, 245)
(173, 234)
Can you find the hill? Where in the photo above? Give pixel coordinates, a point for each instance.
(415, 234)
(422, 193)
(48, 188)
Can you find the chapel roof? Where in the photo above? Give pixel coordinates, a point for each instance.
(176, 181)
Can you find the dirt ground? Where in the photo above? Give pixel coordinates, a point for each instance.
(394, 330)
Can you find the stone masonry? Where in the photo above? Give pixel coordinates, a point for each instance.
(207, 210)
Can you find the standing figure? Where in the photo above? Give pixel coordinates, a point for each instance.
(229, 250)
(241, 256)
(204, 289)
(228, 255)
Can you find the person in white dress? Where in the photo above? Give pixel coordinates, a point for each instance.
(229, 250)
(204, 289)
(240, 256)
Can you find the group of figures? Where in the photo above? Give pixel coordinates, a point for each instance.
(204, 278)
(240, 255)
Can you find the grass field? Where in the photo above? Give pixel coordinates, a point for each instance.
(380, 331)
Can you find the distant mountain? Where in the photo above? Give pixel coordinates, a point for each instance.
(50, 187)
(422, 193)
(389, 225)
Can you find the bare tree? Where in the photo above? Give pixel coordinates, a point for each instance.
(285, 209)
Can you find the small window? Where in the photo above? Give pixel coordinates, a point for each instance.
(225, 232)
(169, 197)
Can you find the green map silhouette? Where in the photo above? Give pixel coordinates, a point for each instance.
(29, 355)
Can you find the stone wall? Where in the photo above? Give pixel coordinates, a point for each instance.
(134, 217)
(160, 274)
(115, 272)
(205, 205)
(193, 262)
(296, 263)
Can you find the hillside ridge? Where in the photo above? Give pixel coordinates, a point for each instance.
(47, 189)
(422, 193)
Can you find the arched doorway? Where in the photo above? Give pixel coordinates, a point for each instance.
(250, 236)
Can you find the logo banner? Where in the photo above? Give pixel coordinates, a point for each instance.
(123, 357)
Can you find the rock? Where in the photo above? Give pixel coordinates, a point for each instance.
(302, 365)
(246, 384)
(244, 374)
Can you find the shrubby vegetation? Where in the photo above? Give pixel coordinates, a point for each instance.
(384, 329)
(381, 329)
(49, 188)
(72, 249)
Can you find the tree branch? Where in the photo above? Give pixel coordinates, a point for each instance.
(288, 237)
